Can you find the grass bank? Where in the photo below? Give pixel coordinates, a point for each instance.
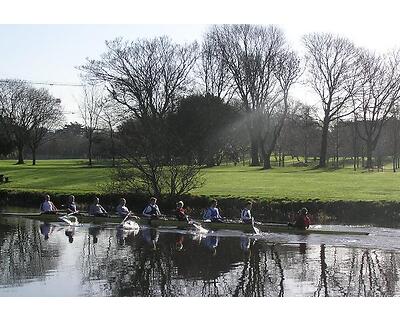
(289, 183)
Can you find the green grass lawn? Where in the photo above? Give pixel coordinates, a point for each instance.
(291, 183)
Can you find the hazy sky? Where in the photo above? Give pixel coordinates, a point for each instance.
(50, 52)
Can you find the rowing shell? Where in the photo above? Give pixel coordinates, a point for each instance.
(232, 225)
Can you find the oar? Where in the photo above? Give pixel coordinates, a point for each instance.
(69, 214)
(126, 217)
(66, 220)
(256, 230)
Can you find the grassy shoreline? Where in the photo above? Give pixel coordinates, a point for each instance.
(227, 181)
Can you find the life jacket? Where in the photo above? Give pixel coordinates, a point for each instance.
(180, 213)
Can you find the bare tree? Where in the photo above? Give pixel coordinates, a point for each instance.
(378, 95)
(213, 73)
(395, 136)
(307, 124)
(16, 118)
(48, 117)
(27, 112)
(147, 76)
(91, 108)
(111, 117)
(333, 75)
(277, 107)
(250, 53)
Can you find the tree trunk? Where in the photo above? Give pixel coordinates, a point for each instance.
(369, 155)
(324, 143)
(90, 151)
(255, 161)
(267, 161)
(306, 152)
(112, 145)
(20, 149)
(394, 164)
(266, 157)
(33, 156)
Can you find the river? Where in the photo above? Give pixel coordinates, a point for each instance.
(40, 259)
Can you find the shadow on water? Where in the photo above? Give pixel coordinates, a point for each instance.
(107, 261)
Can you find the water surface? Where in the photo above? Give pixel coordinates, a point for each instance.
(39, 259)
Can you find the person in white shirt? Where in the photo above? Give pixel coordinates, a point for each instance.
(152, 211)
(245, 214)
(212, 213)
(47, 206)
(122, 209)
(71, 205)
(96, 209)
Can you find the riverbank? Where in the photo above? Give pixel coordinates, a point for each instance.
(383, 213)
(331, 195)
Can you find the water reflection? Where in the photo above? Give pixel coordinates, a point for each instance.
(46, 229)
(107, 260)
(23, 255)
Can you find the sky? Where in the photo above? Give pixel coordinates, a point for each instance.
(49, 44)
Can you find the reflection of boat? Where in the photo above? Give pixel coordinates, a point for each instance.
(229, 225)
(123, 234)
(130, 225)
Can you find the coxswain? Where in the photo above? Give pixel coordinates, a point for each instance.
(152, 211)
(180, 212)
(96, 209)
(303, 220)
(245, 214)
(47, 206)
(212, 213)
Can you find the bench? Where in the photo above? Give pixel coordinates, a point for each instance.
(3, 178)
(378, 167)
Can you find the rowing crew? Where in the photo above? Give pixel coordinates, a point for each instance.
(152, 211)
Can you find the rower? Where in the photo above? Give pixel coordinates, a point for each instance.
(96, 209)
(212, 213)
(245, 214)
(71, 205)
(180, 212)
(152, 211)
(47, 206)
(303, 220)
(122, 209)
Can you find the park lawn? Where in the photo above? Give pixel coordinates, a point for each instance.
(289, 183)
(58, 176)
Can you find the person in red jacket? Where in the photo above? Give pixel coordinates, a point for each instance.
(303, 220)
(180, 212)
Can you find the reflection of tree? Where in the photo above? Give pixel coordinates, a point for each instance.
(322, 282)
(23, 255)
(358, 272)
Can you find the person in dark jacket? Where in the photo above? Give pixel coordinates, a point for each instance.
(302, 221)
(180, 212)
